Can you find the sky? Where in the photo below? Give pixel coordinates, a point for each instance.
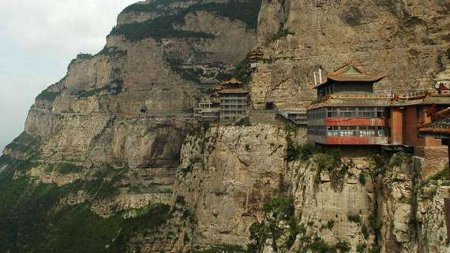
(38, 39)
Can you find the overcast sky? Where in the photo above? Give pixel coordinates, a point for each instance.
(37, 41)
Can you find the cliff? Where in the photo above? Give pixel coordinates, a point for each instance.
(406, 41)
(111, 161)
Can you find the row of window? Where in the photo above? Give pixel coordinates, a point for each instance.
(233, 112)
(317, 131)
(347, 112)
(355, 113)
(233, 101)
(361, 131)
(233, 106)
(357, 131)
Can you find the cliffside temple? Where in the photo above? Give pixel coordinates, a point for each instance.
(228, 103)
(205, 127)
(347, 112)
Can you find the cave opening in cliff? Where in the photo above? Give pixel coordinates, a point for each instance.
(270, 106)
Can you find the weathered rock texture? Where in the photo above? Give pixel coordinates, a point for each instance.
(226, 177)
(106, 140)
(408, 41)
(111, 161)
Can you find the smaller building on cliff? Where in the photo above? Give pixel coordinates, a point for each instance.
(443, 79)
(234, 100)
(207, 110)
(438, 128)
(228, 103)
(254, 57)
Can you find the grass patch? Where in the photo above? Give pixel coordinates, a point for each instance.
(320, 246)
(300, 152)
(282, 33)
(152, 6)
(246, 11)
(187, 169)
(353, 16)
(400, 158)
(442, 175)
(355, 218)
(242, 71)
(47, 95)
(67, 168)
(280, 208)
(223, 248)
(24, 143)
(361, 248)
(243, 122)
(161, 27)
(362, 178)
(275, 210)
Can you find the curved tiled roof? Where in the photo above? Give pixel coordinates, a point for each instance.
(439, 127)
(233, 91)
(232, 86)
(351, 71)
(233, 80)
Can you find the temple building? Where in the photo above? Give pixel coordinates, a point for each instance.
(229, 102)
(443, 79)
(208, 110)
(297, 116)
(254, 57)
(234, 100)
(438, 128)
(346, 111)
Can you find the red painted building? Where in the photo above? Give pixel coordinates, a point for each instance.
(346, 111)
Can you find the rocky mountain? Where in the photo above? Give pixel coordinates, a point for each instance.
(406, 41)
(111, 160)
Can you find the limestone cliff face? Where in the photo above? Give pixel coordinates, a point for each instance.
(407, 41)
(137, 75)
(105, 141)
(225, 178)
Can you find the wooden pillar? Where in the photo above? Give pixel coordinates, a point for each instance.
(396, 124)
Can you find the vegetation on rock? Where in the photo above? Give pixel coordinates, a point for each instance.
(33, 219)
(48, 95)
(164, 26)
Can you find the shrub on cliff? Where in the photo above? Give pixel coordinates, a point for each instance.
(302, 151)
(48, 95)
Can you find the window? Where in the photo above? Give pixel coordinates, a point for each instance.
(419, 112)
(381, 131)
(380, 113)
(367, 113)
(332, 113)
(347, 112)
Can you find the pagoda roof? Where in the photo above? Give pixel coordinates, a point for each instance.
(233, 91)
(256, 52)
(351, 71)
(233, 80)
(351, 100)
(226, 86)
(375, 100)
(439, 127)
